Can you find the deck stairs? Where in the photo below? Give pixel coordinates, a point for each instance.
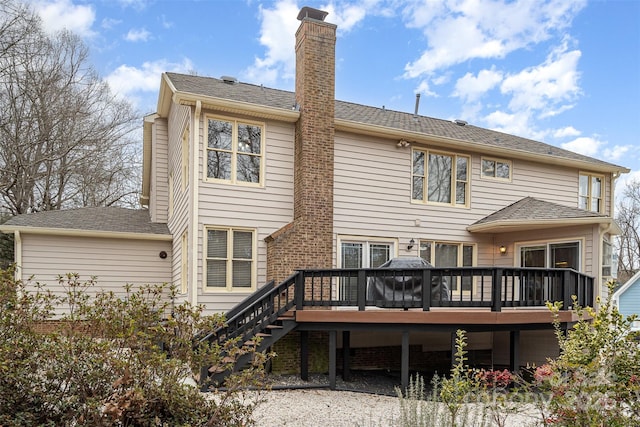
(259, 321)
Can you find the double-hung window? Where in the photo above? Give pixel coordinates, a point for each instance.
(235, 151)
(590, 193)
(440, 178)
(446, 254)
(230, 261)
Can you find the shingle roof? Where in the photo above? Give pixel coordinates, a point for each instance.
(280, 99)
(107, 219)
(532, 209)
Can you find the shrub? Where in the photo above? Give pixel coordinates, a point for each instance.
(594, 381)
(113, 360)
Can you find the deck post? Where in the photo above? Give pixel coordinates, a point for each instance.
(346, 349)
(453, 349)
(332, 358)
(514, 351)
(567, 290)
(304, 355)
(426, 289)
(404, 362)
(361, 290)
(299, 290)
(496, 294)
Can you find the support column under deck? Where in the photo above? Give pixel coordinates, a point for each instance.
(404, 363)
(304, 355)
(332, 358)
(514, 351)
(346, 350)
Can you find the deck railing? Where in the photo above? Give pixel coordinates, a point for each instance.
(491, 287)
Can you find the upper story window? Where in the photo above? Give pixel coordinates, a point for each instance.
(234, 151)
(590, 192)
(230, 260)
(496, 168)
(440, 178)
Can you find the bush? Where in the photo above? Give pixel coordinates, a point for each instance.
(594, 381)
(113, 361)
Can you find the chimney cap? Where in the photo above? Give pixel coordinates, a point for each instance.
(309, 12)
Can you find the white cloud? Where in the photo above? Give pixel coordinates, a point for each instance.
(279, 25)
(583, 145)
(166, 24)
(471, 88)
(133, 83)
(277, 34)
(544, 86)
(516, 123)
(566, 131)
(617, 152)
(459, 31)
(137, 35)
(64, 14)
(109, 23)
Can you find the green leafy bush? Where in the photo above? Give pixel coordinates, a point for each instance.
(114, 361)
(595, 380)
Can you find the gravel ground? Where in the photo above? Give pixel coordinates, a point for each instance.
(370, 402)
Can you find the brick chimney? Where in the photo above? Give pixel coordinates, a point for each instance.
(307, 242)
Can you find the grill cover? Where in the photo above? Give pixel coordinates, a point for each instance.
(405, 287)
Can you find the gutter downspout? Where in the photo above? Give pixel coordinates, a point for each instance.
(17, 248)
(193, 233)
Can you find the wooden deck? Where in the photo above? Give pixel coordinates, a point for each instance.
(436, 316)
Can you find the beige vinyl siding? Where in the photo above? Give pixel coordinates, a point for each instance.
(159, 200)
(115, 262)
(373, 196)
(265, 209)
(179, 221)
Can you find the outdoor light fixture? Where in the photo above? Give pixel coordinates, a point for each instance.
(411, 243)
(503, 249)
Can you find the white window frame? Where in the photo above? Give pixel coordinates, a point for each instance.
(609, 245)
(366, 242)
(234, 151)
(495, 169)
(589, 196)
(454, 180)
(461, 245)
(229, 261)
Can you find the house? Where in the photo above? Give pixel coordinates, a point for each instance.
(244, 184)
(627, 299)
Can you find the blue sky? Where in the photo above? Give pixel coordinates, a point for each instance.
(566, 72)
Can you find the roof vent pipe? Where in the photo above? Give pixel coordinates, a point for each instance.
(415, 113)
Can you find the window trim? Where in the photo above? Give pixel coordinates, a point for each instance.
(393, 253)
(461, 245)
(454, 180)
(234, 151)
(589, 195)
(229, 261)
(517, 259)
(496, 160)
(611, 274)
